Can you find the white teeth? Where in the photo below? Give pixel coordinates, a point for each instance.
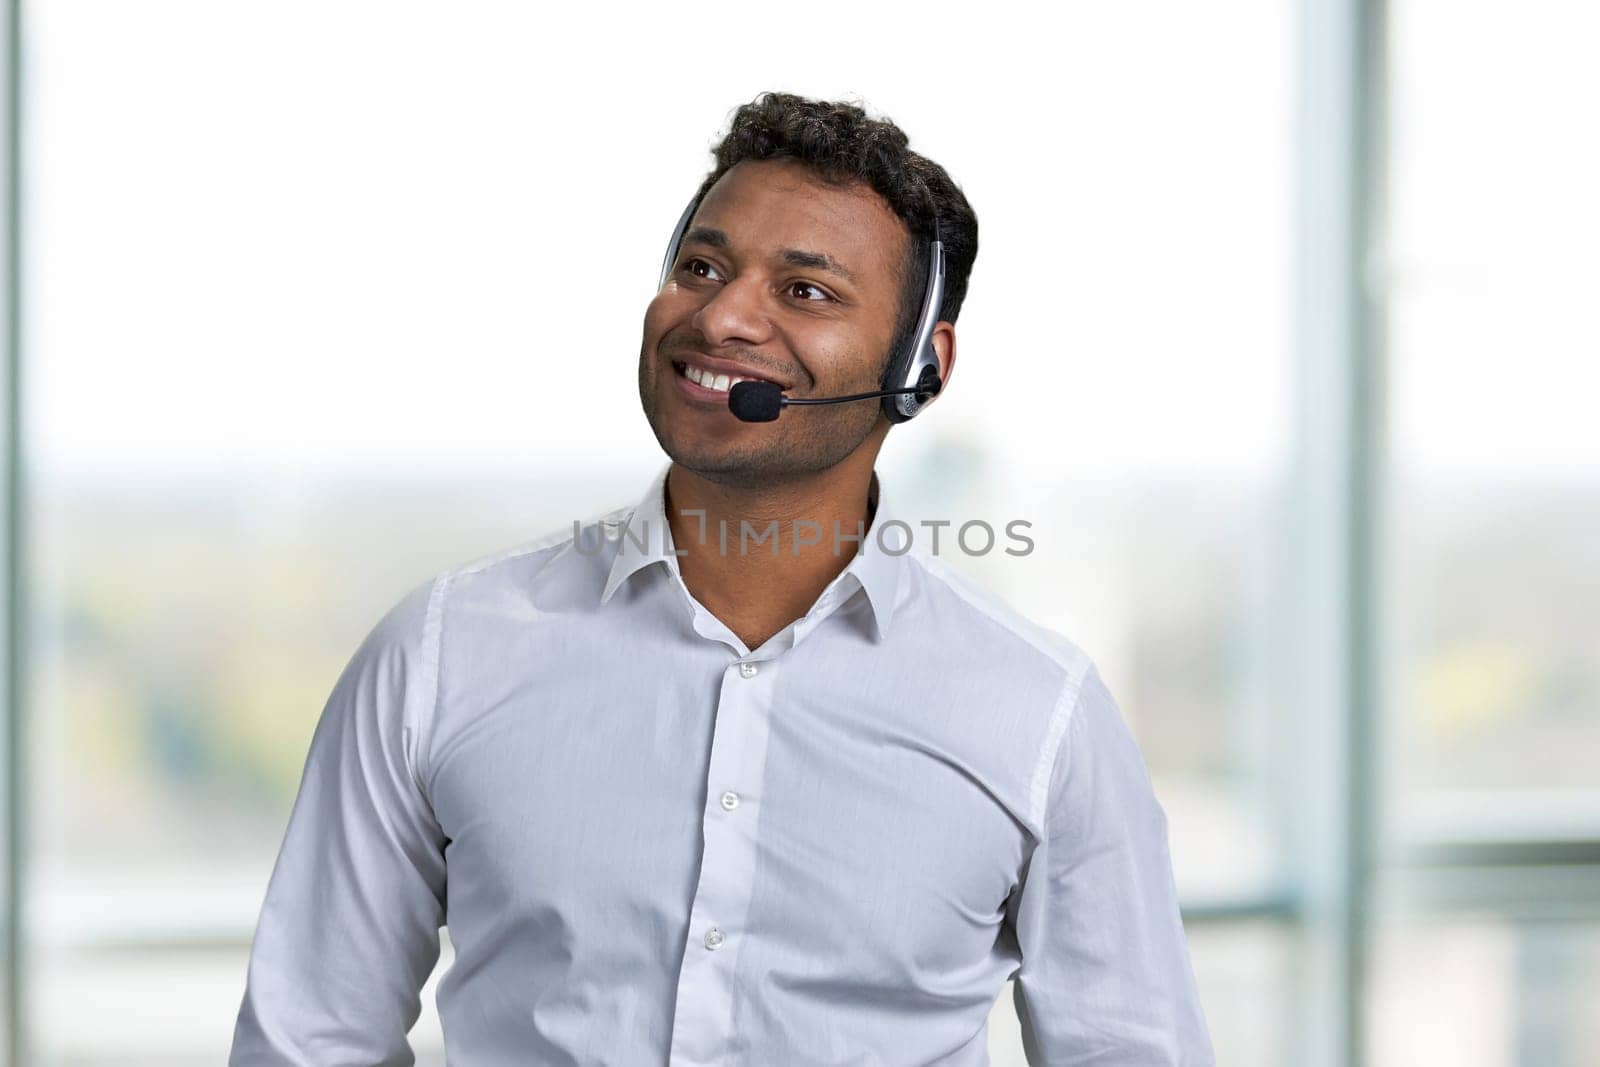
(705, 379)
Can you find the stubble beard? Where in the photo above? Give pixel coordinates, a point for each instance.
(804, 441)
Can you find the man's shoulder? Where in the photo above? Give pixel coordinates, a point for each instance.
(1034, 674)
(508, 574)
(517, 566)
(994, 631)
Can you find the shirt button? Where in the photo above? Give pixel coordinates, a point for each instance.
(713, 937)
(748, 670)
(730, 800)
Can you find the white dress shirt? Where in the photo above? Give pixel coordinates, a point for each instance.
(653, 845)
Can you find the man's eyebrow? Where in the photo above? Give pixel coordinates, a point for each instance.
(707, 236)
(816, 261)
(795, 257)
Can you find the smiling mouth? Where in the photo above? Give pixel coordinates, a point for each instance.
(707, 379)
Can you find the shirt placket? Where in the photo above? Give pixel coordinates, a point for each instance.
(702, 1017)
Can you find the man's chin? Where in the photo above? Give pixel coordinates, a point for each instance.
(710, 461)
(731, 466)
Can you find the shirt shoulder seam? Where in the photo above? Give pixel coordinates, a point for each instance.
(1073, 661)
(433, 632)
(1062, 719)
(432, 638)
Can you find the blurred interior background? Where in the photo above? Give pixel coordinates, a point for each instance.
(1283, 336)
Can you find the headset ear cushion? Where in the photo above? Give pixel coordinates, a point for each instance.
(894, 373)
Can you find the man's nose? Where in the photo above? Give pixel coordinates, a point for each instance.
(739, 311)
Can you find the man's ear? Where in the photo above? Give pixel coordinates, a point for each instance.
(944, 346)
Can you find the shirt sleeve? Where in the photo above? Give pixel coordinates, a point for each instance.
(1105, 975)
(349, 929)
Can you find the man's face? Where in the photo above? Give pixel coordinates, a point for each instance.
(780, 277)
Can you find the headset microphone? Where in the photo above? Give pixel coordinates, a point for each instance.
(754, 401)
(910, 380)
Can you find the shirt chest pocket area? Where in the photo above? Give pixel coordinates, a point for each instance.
(902, 882)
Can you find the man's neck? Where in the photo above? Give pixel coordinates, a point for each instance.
(729, 535)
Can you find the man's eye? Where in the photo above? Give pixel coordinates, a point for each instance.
(692, 264)
(821, 293)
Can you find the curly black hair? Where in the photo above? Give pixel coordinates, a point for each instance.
(842, 146)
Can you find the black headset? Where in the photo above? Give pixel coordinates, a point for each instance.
(916, 366)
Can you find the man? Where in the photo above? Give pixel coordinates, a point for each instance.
(688, 794)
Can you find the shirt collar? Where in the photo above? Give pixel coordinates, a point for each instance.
(878, 570)
(645, 538)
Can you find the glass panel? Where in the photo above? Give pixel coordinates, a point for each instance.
(1495, 493)
(1482, 991)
